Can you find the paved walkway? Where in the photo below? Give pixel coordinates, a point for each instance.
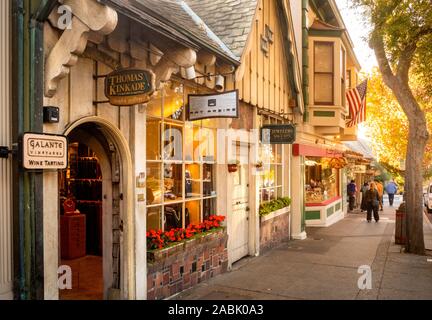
(325, 265)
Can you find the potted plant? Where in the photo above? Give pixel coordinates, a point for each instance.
(233, 165)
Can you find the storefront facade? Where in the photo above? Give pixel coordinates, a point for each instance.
(131, 168)
(329, 68)
(269, 85)
(322, 184)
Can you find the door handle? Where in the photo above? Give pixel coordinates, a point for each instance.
(247, 209)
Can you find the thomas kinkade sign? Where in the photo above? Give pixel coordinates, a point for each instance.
(44, 151)
(223, 105)
(128, 87)
(278, 134)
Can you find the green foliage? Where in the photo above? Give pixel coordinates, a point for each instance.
(274, 205)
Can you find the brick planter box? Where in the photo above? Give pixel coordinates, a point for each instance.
(274, 228)
(177, 268)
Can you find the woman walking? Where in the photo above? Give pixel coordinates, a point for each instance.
(364, 189)
(372, 202)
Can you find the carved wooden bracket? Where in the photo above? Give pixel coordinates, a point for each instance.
(88, 16)
(171, 61)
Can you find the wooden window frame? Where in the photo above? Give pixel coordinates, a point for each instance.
(348, 76)
(343, 76)
(324, 103)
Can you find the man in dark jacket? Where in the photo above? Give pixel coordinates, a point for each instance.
(351, 190)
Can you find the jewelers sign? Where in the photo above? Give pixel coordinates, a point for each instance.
(278, 134)
(222, 105)
(44, 151)
(129, 87)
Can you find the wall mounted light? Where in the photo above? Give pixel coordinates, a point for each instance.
(190, 73)
(219, 82)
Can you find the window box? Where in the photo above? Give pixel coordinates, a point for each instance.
(275, 214)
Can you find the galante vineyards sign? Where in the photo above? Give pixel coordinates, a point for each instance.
(128, 87)
(44, 151)
(278, 134)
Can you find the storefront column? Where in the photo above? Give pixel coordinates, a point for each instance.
(51, 236)
(6, 279)
(138, 148)
(297, 205)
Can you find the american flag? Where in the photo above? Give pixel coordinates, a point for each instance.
(356, 98)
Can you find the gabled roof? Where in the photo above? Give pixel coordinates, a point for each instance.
(230, 20)
(177, 19)
(321, 25)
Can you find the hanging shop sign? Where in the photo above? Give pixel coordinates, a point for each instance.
(359, 169)
(129, 87)
(278, 134)
(44, 151)
(222, 105)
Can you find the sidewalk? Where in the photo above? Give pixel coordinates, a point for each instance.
(324, 266)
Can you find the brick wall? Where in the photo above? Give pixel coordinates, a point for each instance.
(274, 231)
(178, 268)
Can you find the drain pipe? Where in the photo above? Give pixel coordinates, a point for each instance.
(20, 292)
(305, 58)
(28, 60)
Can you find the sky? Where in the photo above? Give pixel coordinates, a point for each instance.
(358, 31)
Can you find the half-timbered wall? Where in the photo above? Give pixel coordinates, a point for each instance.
(264, 82)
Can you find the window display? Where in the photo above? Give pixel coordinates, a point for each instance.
(321, 180)
(272, 170)
(181, 187)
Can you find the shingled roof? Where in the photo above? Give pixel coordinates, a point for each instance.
(231, 20)
(177, 18)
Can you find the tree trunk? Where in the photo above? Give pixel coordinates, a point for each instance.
(417, 139)
(414, 192)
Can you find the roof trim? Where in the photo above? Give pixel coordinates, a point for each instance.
(292, 55)
(169, 30)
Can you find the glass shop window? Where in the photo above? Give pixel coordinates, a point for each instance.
(271, 178)
(321, 180)
(181, 155)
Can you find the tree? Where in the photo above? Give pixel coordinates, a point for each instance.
(387, 125)
(401, 39)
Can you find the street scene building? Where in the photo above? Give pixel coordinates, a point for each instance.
(148, 146)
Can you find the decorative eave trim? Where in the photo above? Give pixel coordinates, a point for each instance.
(88, 16)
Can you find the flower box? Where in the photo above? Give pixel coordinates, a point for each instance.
(185, 264)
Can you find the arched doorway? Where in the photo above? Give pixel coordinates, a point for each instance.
(94, 242)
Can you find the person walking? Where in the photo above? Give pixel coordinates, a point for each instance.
(372, 202)
(380, 189)
(351, 190)
(391, 189)
(364, 188)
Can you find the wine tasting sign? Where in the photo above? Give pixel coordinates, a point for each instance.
(127, 87)
(44, 151)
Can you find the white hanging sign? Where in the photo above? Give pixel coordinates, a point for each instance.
(222, 105)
